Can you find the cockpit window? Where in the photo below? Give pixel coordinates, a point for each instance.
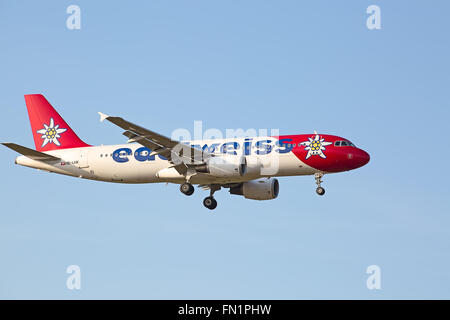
(343, 143)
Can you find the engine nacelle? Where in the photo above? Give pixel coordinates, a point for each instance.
(226, 166)
(261, 189)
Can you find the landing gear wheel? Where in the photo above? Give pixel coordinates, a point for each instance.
(320, 191)
(210, 203)
(187, 188)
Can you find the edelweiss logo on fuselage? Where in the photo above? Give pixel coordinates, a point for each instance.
(315, 146)
(50, 133)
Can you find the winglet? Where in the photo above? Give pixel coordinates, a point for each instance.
(103, 116)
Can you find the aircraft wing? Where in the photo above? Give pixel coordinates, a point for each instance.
(30, 153)
(179, 154)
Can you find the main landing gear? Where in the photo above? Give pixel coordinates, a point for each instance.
(210, 202)
(187, 188)
(318, 176)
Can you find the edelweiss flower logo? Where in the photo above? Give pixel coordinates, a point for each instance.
(315, 146)
(50, 133)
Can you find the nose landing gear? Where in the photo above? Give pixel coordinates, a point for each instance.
(318, 176)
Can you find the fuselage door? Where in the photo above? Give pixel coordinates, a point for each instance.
(83, 160)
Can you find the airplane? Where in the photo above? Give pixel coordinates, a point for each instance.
(247, 166)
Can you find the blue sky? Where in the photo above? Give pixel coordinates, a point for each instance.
(296, 66)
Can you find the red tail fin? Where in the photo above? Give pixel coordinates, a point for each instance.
(50, 131)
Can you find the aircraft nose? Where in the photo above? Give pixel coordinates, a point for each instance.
(362, 158)
(358, 158)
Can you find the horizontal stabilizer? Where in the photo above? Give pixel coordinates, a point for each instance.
(30, 153)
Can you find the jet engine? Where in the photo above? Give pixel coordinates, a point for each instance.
(227, 166)
(261, 189)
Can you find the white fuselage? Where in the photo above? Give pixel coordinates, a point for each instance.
(132, 163)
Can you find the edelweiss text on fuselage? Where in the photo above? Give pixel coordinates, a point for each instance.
(262, 147)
